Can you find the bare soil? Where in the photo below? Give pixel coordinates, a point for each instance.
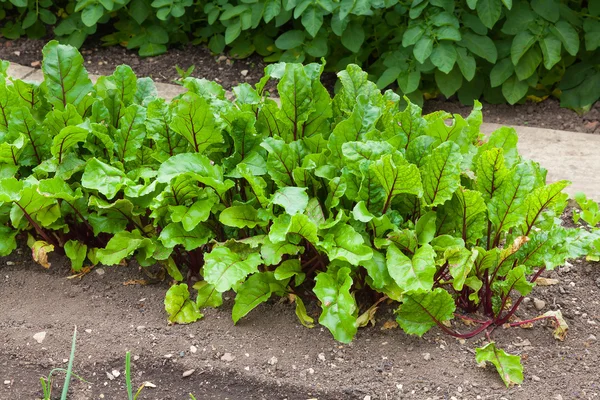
(269, 355)
(230, 72)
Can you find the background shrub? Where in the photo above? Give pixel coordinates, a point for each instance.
(498, 50)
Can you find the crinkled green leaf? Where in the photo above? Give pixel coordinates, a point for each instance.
(174, 234)
(179, 306)
(440, 173)
(508, 366)
(208, 296)
(122, 245)
(339, 307)
(412, 274)
(255, 290)
(343, 243)
(104, 178)
(224, 268)
(421, 311)
(193, 118)
(293, 199)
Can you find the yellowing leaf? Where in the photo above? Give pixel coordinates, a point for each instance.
(39, 251)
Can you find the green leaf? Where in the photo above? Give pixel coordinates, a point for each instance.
(412, 275)
(66, 139)
(174, 234)
(288, 269)
(467, 212)
(460, 263)
(193, 119)
(290, 40)
(223, 268)
(448, 83)
(272, 253)
(489, 11)
(312, 20)
(545, 198)
(508, 366)
(297, 225)
(339, 307)
(423, 48)
(77, 252)
(514, 89)
(343, 243)
(528, 64)
(397, 176)
(65, 77)
(293, 199)
(441, 173)
(257, 289)
(481, 46)
(420, 312)
(208, 296)
(103, 178)
(567, 35)
(302, 315)
(444, 57)
(426, 228)
(353, 37)
(521, 43)
(121, 246)
(191, 216)
(181, 309)
(550, 50)
(466, 63)
(240, 217)
(547, 9)
(501, 72)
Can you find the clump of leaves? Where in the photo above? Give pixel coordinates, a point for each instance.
(353, 200)
(588, 215)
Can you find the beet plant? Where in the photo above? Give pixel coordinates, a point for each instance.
(353, 201)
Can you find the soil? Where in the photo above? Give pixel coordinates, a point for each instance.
(269, 355)
(230, 72)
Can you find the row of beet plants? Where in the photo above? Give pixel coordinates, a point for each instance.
(355, 200)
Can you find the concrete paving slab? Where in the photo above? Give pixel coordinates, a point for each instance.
(168, 91)
(566, 155)
(19, 71)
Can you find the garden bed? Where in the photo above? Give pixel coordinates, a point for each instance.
(229, 73)
(274, 356)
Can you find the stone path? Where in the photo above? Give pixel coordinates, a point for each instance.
(566, 155)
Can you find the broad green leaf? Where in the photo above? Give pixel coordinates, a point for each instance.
(10, 189)
(548, 9)
(412, 274)
(240, 217)
(65, 77)
(426, 228)
(501, 72)
(8, 242)
(567, 35)
(172, 269)
(158, 121)
(179, 306)
(481, 46)
(339, 306)
(103, 178)
(193, 118)
(224, 268)
(58, 189)
(514, 89)
(460, 263)
(66, 139)
(550, 50)
(545, 198)
(343, 243)
(191, 216)
(489, 11)
(467, 212)
(517, 280)
(257, 289)
(175, 234)
(208, 296)
(423, 48)
(283, 158)
(450, 82)
(293, 199)
(521, 44)
(299, 225)
(77, 252)
(121, 246)
(507, 207)
(491, 172)
(529, 63)
(131, 132)
(288, 269)
(196, 166)
(508, 366)
(440, 173)
(421, 311)
(272, 253)
(397, 176)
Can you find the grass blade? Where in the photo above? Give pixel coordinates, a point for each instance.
(69, 368)
(128, 375)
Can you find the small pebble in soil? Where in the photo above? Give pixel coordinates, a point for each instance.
(572, 284)
(10, 263)
(39, 337)
(140, 327)
(188, 373)
(244, 72)
(7, 382)
(539, 304)
(193, 349)
(591, 338)
(367, 397)
(321, 356)
(311, 371)
(426, 356)
(88, 331)
(273, 360)
(227, 357)
(535, 378)
(135, 358)
(526, 301)
(116, 373)
(182, 354)
(247, 368)
(110, 376)
(100, 271)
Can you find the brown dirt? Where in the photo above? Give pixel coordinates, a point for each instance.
(228, 72)
(384, 364)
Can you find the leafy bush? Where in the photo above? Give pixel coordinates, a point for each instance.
(501, 50)
(351, 200)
